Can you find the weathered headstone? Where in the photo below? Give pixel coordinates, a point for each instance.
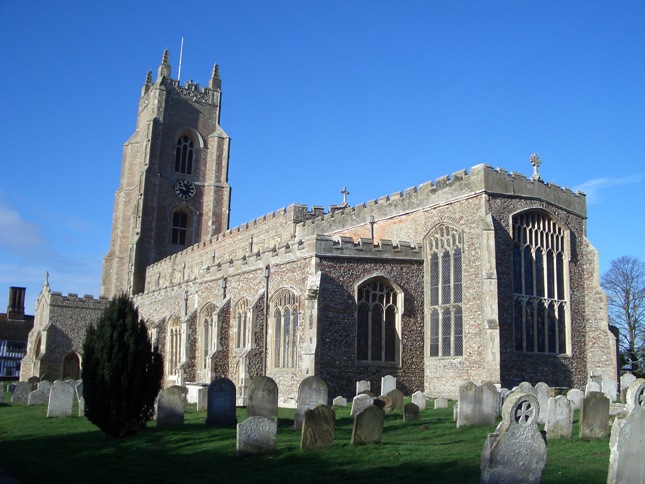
(21, 392)
(11, 387)
(80, 398)
(45, 386)
(318, 428)
(384, 403)
(61, 400)
(202, 399)
(542, 394)
(626, 381)
(626, 463)
(441, 402)
(516, 451)
(388, 383)
(262, 398)
(256, 435)
(410, 412)
(592, 386)
(311, 393)
(221, 403)
(396, 399)
(171, 405)
(339, 401)
(368, 426)
(575, 396)
(559, 418)
(360, 403)
(594, 416)
(362, 386)
(37, 397)
(526, 387)
(477, 404)
(419, 399)
(610, 389)
(34, 381)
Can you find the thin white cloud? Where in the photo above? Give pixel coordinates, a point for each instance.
(17, 233)
(593, 188)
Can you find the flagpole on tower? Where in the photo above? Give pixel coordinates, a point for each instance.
(181, 51)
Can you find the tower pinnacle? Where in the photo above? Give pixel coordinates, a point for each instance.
(164, 68)
(215, 82)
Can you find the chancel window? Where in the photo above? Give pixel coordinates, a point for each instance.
(174, 345)
(445, 248)
(377, 324)
(179, 228)
(540, 283)
(285, 334)
(184, 155)
(243, 324)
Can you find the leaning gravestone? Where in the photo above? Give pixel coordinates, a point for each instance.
(410, 412)
(594, 416)
(559, 418)
(360, 403)
(626, 463)
(37, 397)
(202, 399)
(311, 393)
(575, 396)
(419, 399)
(256, 435)
(542, 394)
(221, 403)
(339, 401)
(516, 451)
(262, 398)
(441, 402)
(396, 399)
(171, 406)
(61, 400)
(21, 392)
(362, 386)
(318, 428)
(388, 383)
(477, 404)
(368, 426)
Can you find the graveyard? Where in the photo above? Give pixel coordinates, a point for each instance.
(35, 448)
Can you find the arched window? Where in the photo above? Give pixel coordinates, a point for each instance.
(208, 334)
(179, 228)
(184, 155)
(243, 324)
(71, 366)
(174, 345)
(444, 251)
(377, 322)
(540, 283)
(284, 309)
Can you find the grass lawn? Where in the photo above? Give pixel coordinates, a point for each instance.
(35, 448)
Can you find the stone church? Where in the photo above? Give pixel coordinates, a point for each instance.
(481, 275)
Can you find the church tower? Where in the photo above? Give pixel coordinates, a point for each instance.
(174, 188)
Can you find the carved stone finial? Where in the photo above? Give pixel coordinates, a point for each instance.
(215, 82)
(345, 193)
(536, 162)
(46, 279)
(149, 78)
(164, 68)
(215, 72)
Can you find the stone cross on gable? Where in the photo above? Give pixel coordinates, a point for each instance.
(345, 193)
(536, 162)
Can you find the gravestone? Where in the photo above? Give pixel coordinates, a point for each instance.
(384, 403)
(45, 386)
(592, 386)
(559, 418)
(503, 393)
(61, 400)
(262, 398)
(610, 389)
(21, 392)
(516, 451)
(368, 426)
(221, 403)
(626, 381)
(362, 386)
(11, 387)
(419, 399)
(477, 404)
(410, 412)
(311, 393)
(34, 381)
(542, 394)
(575, 396)
(594, 416)
(202, 399)
(388, 383)
(396, 399)
(442, 402)
(339, 402)
(360, 403)
(318, 428)
(171, 406)
(256, 435)
(37, 397)
(526, 387)
(80, 398)
(626, 463)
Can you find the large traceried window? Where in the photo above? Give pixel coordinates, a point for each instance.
(445, 248)
(285, 336)
(377, 325)
(243, 324)
(179, 228)
(174, 345)
(184, 155)
(540, 283)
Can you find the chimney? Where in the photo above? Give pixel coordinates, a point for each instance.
(16, 307)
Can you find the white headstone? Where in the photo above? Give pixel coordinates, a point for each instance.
(388, 383)
(526, 387)
(419, 399)
(610, 389)
(360, 403)
(592, 386)
(61, 400)
(559, 418)
(202, 399)
(575, 396)
(339, 401)
(626, 381)
(477, 404)
(45, 386)
(362, 386)
(441, 402)
(312, 392)
(256, 435)
(542, 394)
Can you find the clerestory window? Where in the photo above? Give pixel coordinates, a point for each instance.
(184, 155)
(377, 324)
(285, 329)
(540, 284)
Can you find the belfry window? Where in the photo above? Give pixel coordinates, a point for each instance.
(377, 324)
(540, 284)
(445, 275)
(179, 228)
(285, 331)
(184, 155)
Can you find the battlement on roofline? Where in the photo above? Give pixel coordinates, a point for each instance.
(74, 296)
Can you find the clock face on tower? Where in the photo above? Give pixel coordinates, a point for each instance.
(184, 189)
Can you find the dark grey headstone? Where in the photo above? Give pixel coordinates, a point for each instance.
(37, 397)
(410, 412)
(368, 426)
(311, 393)
(396, 399)
(21, 392)
(171, 405)
(262, 398)
(221, 403)
(318, 428)
(594, 416)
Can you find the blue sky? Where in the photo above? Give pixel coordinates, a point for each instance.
(374, 95)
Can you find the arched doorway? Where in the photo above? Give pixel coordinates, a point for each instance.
(71, 366)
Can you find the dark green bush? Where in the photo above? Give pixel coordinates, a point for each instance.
(121, 371)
